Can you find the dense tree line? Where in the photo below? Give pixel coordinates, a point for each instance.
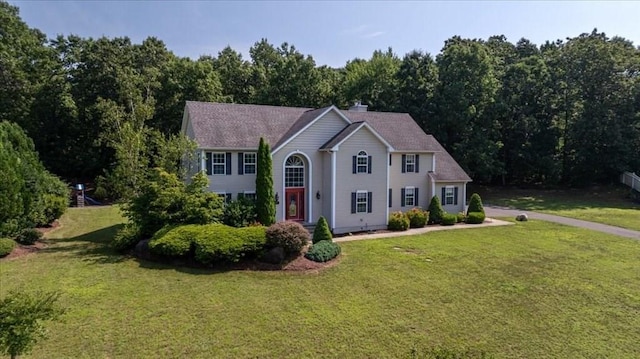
(566, 112)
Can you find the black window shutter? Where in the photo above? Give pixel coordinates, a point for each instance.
(209, 166)
(390, 201)
(402, 193)
(240, 163)
(404, 162)
(227, 197)
(442, 198)
(417, 163)
(353, 202)
(455, 195)
(354, 164)
(369, 165)
(390, 155)
(228, 162)
(369, 202)
(415, 196)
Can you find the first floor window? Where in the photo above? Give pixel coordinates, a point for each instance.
(449, 195)
(361, 202)
(409, 196)
(226, 197)
(250, 195)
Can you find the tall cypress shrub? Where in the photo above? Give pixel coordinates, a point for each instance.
(475, 204)
(265, 203)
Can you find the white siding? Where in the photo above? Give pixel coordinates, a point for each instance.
(348, 182)
(454, 209)
(308, 143)
(420, 180)
(233, 183)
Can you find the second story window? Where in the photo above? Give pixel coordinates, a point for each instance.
(362, 163)
(410, 163)
(219, 164)
(249, 163)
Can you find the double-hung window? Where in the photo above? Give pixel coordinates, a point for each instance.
(216, 163)
(249, 163)
(449, 196)
(361, 202)
(410, 163)
(362, 162)
(409, 196)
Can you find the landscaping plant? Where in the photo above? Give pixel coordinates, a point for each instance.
(265, 202)
(289, 235)
(22, 318)
(417, 217)
(398, 221)
(323, 251)
(322, 231)
(475, 217)
(435, 211)
(475, 204)
(6, 246)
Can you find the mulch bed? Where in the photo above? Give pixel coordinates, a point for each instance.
(22, 250)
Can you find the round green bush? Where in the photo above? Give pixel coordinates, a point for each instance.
(417, 217)
(475, 204)
(475, 217)
(289, 235)
(6, 246)
(398, 222)
(435, 210)
(449, 219)
(28, 236)
(461, 217)
(323, 251)
(322, 231)
(126, 238)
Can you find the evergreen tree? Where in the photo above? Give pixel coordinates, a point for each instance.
(322, 232)
(435, 211)
(265, 204)
(475, 204)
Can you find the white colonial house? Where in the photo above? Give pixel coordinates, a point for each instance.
(352, 167)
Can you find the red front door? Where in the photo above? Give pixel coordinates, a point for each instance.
(294, 204)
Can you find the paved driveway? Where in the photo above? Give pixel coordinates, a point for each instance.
(493, 211)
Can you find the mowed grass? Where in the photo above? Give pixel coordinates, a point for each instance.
(530, 290)
(608, 205)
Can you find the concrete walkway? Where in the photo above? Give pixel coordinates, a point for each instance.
(494, 211)
(489, 222)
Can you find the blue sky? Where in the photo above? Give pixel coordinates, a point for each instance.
(332, 32)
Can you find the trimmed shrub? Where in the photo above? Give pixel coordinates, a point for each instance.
(209, 244)
(239, 213)
(173, 242)
(435, 211)
(322, 231)
(449, 219)
(323, 251)
(219, 243)
(126, 238)
(398, 222)
(28, 236)
(475, 217)
(461, 217)
(289, 235)
(417, 217)
(6, 246)
(475, 204)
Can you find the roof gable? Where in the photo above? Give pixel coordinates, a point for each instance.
(305, 121)
(342, 136)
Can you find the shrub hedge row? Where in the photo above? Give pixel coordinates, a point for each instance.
(475, 217)
(398, 222)
(209, 243)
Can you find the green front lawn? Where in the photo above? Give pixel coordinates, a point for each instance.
(531, 290)
(608, 205)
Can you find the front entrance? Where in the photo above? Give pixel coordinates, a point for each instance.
(294, 206)
(294, 185)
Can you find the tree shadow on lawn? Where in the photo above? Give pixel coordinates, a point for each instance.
(91, 246)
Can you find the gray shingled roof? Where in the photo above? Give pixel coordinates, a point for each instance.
(341, 135)
(447, 169)
(228, 126)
